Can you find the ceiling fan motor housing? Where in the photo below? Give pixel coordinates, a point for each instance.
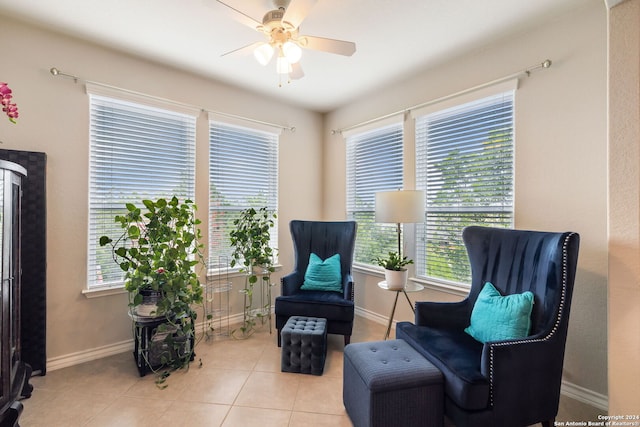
(273, 20)
(273, 17)
(278, 30)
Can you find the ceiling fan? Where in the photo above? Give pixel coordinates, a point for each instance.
(281, 27)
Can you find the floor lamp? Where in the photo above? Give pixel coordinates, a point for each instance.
(401, 206)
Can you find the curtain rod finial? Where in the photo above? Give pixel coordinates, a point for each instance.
(55, 72)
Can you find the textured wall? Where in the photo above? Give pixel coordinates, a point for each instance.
(624, 208)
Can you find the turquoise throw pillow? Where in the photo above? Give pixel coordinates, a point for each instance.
(495, 317)
(323, 275)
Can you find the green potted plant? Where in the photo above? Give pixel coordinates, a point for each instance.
(251, 251)
(395, 272)
(158, 251)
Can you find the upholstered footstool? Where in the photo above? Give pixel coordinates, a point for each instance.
(388, 383)
(304, 345)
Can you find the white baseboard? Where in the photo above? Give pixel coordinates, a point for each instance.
(72, 359)
(234, 319)
(373, 316)
(584, 395)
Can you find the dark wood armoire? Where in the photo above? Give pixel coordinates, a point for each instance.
(14, 372)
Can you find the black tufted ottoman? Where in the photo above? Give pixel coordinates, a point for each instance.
(304, 345)
(388, 383)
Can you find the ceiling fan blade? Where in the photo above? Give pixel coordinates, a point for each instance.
(242, 17)
(296, 71)
(245, 50)
(297, 11)
(339, 47)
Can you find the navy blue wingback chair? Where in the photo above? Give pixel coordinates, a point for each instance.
(325, 239)
(503, 383)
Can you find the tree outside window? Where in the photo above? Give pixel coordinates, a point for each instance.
(464, 162)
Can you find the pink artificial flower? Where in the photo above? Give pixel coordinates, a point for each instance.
(4, 90)
(11, 109)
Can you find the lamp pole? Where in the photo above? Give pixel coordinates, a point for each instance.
(399, 230)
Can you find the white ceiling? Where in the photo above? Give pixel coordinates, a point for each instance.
(394, 38)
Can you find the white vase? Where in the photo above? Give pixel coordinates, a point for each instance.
(396, 280)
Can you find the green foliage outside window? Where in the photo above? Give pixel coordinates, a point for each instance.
(463, 198)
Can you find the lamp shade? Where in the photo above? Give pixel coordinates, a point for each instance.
(402, 206)
(263, 53)
(292, 52)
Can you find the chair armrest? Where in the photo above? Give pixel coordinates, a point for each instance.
(347, 286)
(535, 362)
(450, 315)
(290, 283)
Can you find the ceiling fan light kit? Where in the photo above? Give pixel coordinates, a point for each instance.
(292, 52)
(263, 53)
(281, 27)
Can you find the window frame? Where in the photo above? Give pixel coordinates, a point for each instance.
(363, 183)
(451, 106)
(147, 110)
(253, 133)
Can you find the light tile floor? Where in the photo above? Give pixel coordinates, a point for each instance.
(239, 384)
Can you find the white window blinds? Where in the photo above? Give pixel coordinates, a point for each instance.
(136, 152)
(464, 162)
(243, 173)
(374, 163)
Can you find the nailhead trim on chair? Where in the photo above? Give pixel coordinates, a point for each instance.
(555, 326)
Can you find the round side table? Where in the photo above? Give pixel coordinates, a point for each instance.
(409, 287)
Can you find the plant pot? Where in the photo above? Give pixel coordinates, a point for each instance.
(396, 280)
(149, 306)
(146, 310)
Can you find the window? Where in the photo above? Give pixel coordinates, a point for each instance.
(464, 162)
(136, 152)
(243, 173)
(374, 163)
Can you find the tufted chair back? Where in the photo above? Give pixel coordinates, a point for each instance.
(515, 261)
(324, 238)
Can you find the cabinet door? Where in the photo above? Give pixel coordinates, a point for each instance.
(4, 302)
(10, 275)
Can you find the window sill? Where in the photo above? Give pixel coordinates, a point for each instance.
(440, 286)
(366, 269)
(104, 291)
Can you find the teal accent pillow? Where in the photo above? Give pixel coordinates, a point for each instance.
(495, 317)
(323, 275)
